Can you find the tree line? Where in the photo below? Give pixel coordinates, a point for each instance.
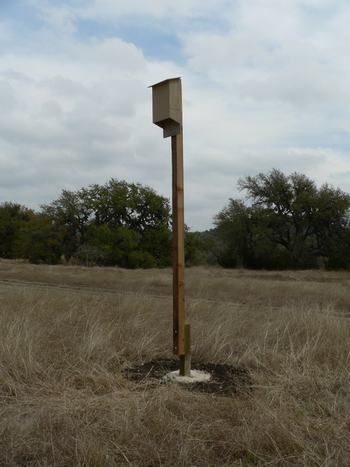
(285, 221)
(113, 224)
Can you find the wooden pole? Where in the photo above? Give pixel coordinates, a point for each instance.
(167, 113)
(181, 338)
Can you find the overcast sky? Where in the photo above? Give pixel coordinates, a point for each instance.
(266, 83)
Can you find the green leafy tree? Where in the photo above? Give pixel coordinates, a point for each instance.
(198, 248)
(339, 257)
(122, 204)
(115, 223)
(40, 240)
(115, 244)
(289, 222)
(235, 229)
(72, 212)
(298, 216)
(12, 218)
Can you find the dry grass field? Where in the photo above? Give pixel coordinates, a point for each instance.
(67, 333)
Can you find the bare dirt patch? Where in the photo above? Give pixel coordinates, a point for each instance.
(225, 379)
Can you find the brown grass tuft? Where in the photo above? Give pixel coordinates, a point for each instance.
(64, 401)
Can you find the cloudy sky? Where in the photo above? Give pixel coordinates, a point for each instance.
(266, 83)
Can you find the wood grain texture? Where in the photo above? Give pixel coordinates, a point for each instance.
(178, 246)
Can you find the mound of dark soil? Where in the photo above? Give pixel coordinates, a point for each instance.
(225, 379)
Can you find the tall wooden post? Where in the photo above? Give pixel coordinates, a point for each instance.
(167, 113)
(181, 338)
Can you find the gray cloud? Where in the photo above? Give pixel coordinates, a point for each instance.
(279, 76)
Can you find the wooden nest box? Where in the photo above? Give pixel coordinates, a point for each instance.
(167, 106)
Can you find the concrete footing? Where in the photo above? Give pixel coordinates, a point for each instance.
(196, 376)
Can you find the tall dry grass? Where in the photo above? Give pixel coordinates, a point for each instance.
(64, 400)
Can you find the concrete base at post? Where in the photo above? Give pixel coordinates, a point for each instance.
(196, 376)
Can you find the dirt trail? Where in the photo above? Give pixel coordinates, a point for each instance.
(6, 283)
(87, 289)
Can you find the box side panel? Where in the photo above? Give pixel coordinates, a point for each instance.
(175, 100)
(161, 109)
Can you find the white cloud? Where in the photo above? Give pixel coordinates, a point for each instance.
(77, 119)
(270, 91)
(114, 9)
